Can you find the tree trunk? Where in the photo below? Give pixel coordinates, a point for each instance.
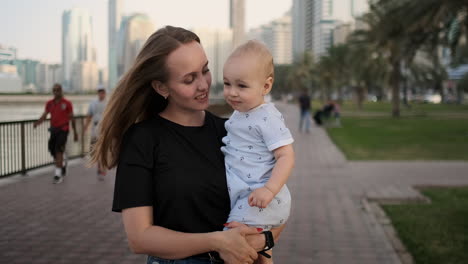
(460, 94)
(360, 96)
(395, 82)
(340, 94)
(324, 94)
(405, 93)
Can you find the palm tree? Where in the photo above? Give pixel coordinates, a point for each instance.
(300, 75)
(386, 34)
(449, 17)
(437, 23)
(338, 57)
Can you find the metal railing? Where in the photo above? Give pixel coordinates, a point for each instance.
(23, 147)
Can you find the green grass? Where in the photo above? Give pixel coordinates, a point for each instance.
(350, 107)
(435, 233)
(408, 138)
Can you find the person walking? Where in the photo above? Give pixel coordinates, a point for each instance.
(304, 107)
(61, 113)
(95, 111)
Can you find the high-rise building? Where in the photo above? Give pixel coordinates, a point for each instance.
(217, 44)
(315, 20)
(277, 37)
(27, 70)
(85, 74)
(341, 33)
(43, 77)
(114, 16)
(302, 18)
(237, 21)
(134, 31)
(77, 45)
(327, 14)
(10, 82)
(103, 78)
(7, 54)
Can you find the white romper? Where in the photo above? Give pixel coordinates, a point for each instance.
(251, 138)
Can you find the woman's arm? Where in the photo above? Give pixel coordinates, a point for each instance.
(145, 238)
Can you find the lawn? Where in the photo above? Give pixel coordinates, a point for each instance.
(350, 107)
(406, 138)
(435, 233)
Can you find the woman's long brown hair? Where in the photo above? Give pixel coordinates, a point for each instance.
(134, 99)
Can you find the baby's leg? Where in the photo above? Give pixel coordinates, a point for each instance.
(264, 260)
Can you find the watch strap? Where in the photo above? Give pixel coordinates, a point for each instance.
(269, 240)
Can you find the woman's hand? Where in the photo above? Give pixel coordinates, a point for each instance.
(233, 246)
(257, 241)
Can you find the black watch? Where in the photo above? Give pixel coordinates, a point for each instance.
(269, 241)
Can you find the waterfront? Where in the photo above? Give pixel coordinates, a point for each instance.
(29, 107)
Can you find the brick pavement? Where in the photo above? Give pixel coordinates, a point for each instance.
(72, 223)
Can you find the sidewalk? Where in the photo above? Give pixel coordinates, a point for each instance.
(72, 222)
(328, 222)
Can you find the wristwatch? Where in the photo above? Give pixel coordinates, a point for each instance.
(269, 241)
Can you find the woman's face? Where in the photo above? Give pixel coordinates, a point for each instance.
(189, 78)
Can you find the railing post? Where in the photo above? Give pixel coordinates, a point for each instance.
(82, 138)
(23, 149)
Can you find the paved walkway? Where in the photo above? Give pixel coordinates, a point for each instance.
(72, 223)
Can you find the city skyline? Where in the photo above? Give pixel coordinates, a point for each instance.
(40, 22)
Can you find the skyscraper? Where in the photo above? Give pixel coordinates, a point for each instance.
(217, 44)
(301, 27)
(114, 16)
(237, 21)
(277, 37)
(77, 44)
(134, 31)
(315, 20)
(327, 15)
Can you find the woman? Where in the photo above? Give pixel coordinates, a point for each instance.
(170, 182)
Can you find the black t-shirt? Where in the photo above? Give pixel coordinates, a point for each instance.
(176, 169)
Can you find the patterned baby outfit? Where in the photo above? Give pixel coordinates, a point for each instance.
(251, 138)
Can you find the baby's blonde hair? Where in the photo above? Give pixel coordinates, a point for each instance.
(261, 53)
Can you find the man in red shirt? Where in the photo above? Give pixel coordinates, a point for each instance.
(61, 112)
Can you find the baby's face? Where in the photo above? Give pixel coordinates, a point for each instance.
(244, 82)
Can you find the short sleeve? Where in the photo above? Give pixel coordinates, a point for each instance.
(274, 132)
(134, 176)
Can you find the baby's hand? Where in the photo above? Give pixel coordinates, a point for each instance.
(261, 197)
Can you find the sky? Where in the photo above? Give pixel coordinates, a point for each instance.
(34, 26)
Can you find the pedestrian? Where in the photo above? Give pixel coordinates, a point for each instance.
(336, 113)
(304, 107)
(61, 113)
(258, 148)
(95, 111)
(170, 182)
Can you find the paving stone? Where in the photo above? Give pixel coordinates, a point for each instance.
(72, 222)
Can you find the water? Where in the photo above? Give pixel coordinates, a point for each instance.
(32, 108)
